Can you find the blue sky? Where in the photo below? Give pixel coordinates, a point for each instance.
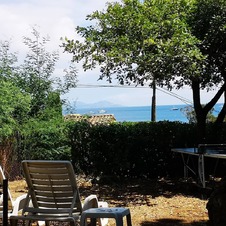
(58, 18)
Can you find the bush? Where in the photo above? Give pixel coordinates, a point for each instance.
(45, 140)
(118, 150)
(128, 149)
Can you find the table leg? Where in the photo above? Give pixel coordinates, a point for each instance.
(128, 219)
(93, 221)
(201, 169)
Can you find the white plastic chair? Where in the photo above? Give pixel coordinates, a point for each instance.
(14, 206)
(53, 194)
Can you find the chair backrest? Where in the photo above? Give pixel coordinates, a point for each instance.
(52, 186)
(10, 202)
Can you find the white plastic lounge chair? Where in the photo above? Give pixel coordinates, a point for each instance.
(53, 192)
(14, 206)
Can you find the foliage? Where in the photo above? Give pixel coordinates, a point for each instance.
(171, 43)
(8, 60)
(135, 149)
(45, 139)
(190, 114)
(31, 108)
(14, 106)
(36, 74)
(127, 149)
(136, 41)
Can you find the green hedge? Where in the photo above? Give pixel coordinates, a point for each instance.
(118, 150)
(131, 150)
(45, 140)
(128, 149)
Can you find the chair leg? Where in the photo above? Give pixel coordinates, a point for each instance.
(27, 222)
(73, 223)
(13, 222)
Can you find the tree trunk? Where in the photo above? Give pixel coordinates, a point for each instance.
(201, 130)
(202, 111)
(200, 114)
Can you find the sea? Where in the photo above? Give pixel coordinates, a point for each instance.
(143, 113)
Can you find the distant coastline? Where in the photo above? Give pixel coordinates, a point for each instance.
(99, 104)
(136, 113)
(140, 113)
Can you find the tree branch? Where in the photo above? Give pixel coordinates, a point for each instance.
(214, 100)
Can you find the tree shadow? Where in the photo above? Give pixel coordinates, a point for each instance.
(142, 192)
(173, 222)
(139, 191)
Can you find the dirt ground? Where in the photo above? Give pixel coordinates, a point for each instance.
(152, 203)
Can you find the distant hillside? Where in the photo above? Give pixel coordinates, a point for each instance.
(100, 104)
(81, 105)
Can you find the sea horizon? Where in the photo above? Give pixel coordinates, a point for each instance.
(141, 113)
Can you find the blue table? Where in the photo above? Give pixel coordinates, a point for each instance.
(217, 151)
(115, 212)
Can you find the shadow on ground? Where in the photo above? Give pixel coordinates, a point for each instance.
(172, 222)
(137, 191)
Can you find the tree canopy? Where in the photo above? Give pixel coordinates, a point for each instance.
(35, 76)
(30, 97)
(173, 43)
(14, 106)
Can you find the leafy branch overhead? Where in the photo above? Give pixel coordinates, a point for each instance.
(136, 42)
(31, 89)
(173, 43)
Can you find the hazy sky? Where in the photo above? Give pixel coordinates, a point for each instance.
(58, 18)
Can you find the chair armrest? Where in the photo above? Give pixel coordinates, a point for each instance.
(90, 202)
